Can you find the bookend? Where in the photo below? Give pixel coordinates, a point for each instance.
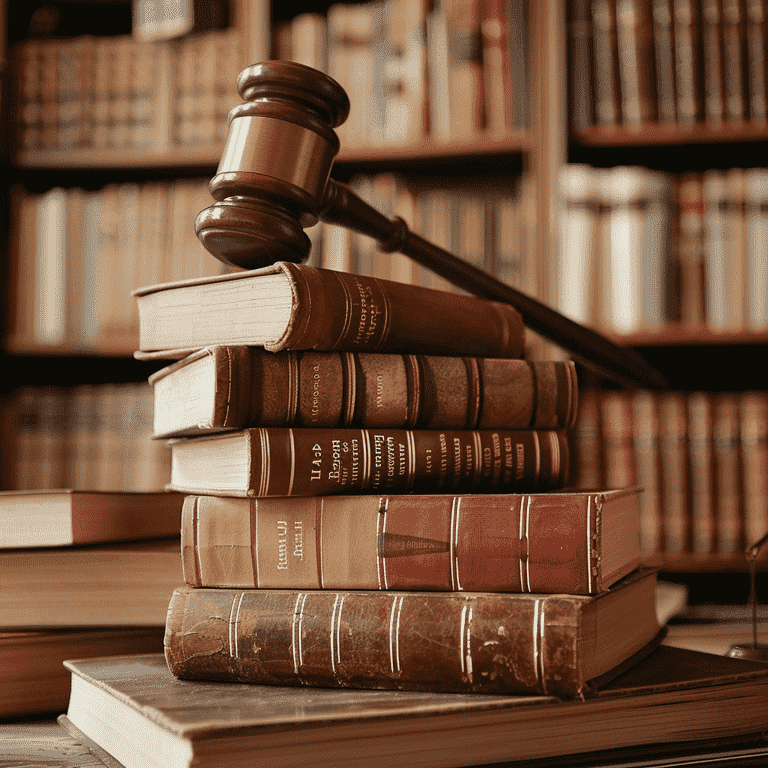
(274, 179)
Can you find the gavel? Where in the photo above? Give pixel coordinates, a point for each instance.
(274, 180)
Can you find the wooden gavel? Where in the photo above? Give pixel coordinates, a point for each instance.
(274, 180)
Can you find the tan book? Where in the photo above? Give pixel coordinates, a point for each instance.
(35, 681)
(276, 461)
(64, 517)
(571, 542)
(729, 500)
(101, 585)
(133, 708)
(229, 388)
(292, 306)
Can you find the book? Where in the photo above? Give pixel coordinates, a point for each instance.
(56, 518)
(468, 642)
(285, 461)
(573, 542)
(295, 306)
(34, 678)
(132, 707)
(104, 585)
(236, 387)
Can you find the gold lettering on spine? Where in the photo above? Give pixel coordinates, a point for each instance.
(296, 155)
(454, 552)
(394, 634)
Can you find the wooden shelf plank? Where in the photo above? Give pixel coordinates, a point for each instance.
(661, 135)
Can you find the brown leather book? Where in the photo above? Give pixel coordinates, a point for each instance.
(574, 542)
(226, 388)
(471, 642)
(133, 707)
(295, 306)
(277, 461)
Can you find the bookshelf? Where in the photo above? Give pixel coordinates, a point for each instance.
(537, 149)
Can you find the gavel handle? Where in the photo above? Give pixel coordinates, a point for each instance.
(343, 207)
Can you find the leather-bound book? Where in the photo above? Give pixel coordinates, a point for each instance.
(295, 306)
(230, 388)
(574, 542)
(279, 461)
(468, 642)
(131, 708)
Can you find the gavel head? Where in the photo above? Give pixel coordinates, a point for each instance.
(275, 166)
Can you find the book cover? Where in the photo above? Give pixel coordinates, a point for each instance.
(226, 388)
(102, 585)
(680, 695)
(317, 308)
(56, 518)
(574, 542)
(285, 461)
(478, 642)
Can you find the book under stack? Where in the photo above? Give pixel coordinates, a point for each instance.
(376, 503)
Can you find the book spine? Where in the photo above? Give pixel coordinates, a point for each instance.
(327, 389)
(358, 313)
(438, 641)
(547, 543)
(665, 60)
(314, 462)
(607, 97)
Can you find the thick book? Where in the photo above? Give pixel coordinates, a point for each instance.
(284, 461)
(55, 518)
(34, 680)
(134, 709)
(102, 585)
(459, 642)
(295, 306)
(572, 542)
(233, 388)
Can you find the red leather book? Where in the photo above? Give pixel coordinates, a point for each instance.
(574, 542)
(230, 388)
(477, 642)
(296, 306)
(278, 461)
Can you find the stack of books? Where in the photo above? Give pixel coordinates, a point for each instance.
(84, 573)
(376, 504)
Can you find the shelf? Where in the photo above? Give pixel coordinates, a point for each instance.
(705, 563)
(679, 335)
(209, 156)
(658, 135)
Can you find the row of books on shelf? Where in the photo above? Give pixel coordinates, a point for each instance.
(672, 62)
(88, 437)
(701, 458)
(451, 70)
(122, 93)
(77, 253)
(642, 248)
